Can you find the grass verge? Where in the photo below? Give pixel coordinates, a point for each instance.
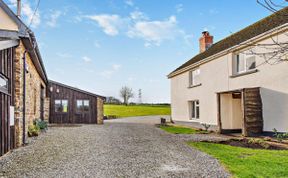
(246, 162)
(136, 110)
(181, 130)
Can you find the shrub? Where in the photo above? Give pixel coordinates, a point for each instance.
(280, 136)
(33, 130)
(260, 142)
(206, 126)
(41, 124)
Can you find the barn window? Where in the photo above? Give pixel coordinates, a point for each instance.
(3, 84)
(61, 106)
(82, 105)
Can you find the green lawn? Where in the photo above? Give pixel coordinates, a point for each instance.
(136, 110)
(245, 162)
(180, 130)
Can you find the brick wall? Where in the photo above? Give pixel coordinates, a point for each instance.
(33, 94)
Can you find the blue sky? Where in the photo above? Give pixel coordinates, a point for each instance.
(102, 45)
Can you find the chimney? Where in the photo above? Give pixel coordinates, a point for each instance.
(205, 41)
(19, 8)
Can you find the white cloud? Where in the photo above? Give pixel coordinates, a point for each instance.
(129, 3)
(116, 67)
(97, 44)
(28, 13)
(138, 26)
(213, 11)
(86, 59)
(154, 32)
(64, 55)
(52, 22)
(138, 15)
(179, 8)
(108, 73)
(109, 23)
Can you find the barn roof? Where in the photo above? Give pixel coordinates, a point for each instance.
(275, 20)
(75, 89)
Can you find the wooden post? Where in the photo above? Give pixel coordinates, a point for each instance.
(244, 129)
(219, 112)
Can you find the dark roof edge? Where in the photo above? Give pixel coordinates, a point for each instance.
(76, 89)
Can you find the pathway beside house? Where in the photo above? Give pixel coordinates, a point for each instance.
(131, 147)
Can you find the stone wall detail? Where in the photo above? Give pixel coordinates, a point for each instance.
(100, 110)
(33, 94)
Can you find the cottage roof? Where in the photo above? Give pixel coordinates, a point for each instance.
(275, 20)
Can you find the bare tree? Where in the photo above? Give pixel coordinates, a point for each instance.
(275, 51)
(126, 93)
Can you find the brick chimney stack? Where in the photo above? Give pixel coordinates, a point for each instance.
(205, 41)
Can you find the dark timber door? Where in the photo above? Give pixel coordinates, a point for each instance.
(253, 117)
(6, 61)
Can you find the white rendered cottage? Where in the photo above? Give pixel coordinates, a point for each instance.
(239, 83)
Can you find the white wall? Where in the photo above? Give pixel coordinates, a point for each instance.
(6, 23)
(231, 112)
(216, 77)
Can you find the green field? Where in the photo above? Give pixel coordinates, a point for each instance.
(136, 110)
(246, 162)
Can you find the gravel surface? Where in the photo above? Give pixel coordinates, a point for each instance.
(131, 147)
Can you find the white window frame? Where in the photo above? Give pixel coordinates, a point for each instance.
(238, 57)
(84, 103)
(193, 81)
(194, 114)
(62, 102)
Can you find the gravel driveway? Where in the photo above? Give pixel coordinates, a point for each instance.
(131, 147)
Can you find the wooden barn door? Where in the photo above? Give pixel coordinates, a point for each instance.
(253, 117)
(6, 80)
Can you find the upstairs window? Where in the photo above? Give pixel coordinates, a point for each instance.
(61, 106)
(194, 77)
(245, 63)
(82, 106)
(195, 109)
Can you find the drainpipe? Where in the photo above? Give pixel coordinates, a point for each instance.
(24, 97)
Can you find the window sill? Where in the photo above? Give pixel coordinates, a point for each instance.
(244, 73)
(193, 86)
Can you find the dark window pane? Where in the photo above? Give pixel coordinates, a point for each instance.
(197, 112)
(86, 105)
(58, 106)
(251, 63)
(79, 105)
(193, 109)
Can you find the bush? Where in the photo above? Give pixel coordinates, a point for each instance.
(43, 125)
(280, 136)
(33, 130)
